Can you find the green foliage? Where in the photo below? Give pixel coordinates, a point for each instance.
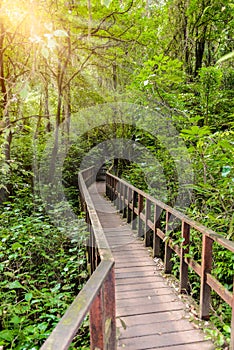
(42, 270)
(209, 83)
(159, 76)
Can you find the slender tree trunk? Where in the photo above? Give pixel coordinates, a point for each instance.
(4, 192)
(186, 49)
(6, 119)
(199, 51)
(68, 115)
(46, 108)
(56, 138)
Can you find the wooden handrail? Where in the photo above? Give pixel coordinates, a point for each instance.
(98, 295)
(143, 212)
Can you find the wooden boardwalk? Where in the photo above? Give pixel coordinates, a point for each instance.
(149, 313)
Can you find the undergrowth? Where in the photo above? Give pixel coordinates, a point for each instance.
(42, 270)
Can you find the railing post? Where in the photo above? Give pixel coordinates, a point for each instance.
(129, 215)
(168, 250)
(232, 324)
(134, 205)
(97, 326)
(110, 311)
(140, 209)
(184, 250)
(147, 216)
(112, 189)
(116, 197)
(120, 197)
(206, 268)
(156, 239)
(92, 252)
(107, 186)
(103, 316)
(124, 199)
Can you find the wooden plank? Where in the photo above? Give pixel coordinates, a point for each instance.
(138, 274)
(130, 247)
(147, 300)
(121, 233)
(156, 341)
(116, 244)
(123, 240)
(146, 309)
(127, 256)
(141, 269)
(140, 280)
(204, 345)
(145, 320)
(126, 264)
(156, 327)
(122, 295)
(138, 286)
(143, 263)
(132, 254)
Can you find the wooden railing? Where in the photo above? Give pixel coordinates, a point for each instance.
(98, 295)
(156, 222)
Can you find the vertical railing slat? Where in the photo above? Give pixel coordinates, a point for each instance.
(124, 203)
(156, 239)
(184, 250)
(147, 217)
(134, 205)
(129, 211)
(168, 251)
(97, 326)
(232, 321)
(140, 209)
(207, 243)
(110, 311)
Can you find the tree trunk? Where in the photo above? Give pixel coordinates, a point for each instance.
(4, 192)
(199, 51)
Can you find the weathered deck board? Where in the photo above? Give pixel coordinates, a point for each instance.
(149, 313)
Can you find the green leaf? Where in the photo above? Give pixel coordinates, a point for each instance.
(106, 2)
(16, 319)
(123, 324)
(56, 288)
(9, 273)
(7, 335)
(49, 26)
(226, 170)
(226, 57)
(16, 246)
(52, 44)
(24, 92)
(28, 296)
(227, 328)
(42, 326)
(15, 285)
(60, 33)
(45, 53)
